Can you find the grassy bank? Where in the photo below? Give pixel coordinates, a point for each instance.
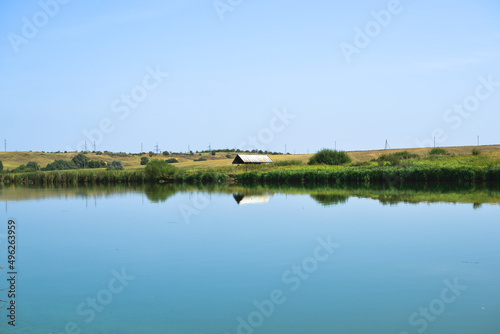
(293, 175)
(398, 168)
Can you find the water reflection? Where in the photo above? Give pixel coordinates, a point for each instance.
(258, 194)
(243, 199)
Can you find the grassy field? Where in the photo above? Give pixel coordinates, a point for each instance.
(12, 160)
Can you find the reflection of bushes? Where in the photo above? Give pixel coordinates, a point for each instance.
(159, 193)
(330, 199)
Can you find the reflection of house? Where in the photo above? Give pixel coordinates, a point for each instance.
(247, 159)
(242, 199)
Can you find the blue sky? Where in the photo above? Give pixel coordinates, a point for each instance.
(90, 70)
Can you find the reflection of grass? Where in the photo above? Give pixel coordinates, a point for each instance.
(325, 195)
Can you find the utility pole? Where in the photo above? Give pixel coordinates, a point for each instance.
(157, 149)
(477, 140)
(189, 148)
(434, 141)
(94, 145)
(142, 150)
(5, 143)
(285, 148)
(85, 146)
(210, 146)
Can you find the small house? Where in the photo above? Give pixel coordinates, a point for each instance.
(247, 159)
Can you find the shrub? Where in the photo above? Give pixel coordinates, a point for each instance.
(172, 161)
(159, 169)
(229, 156)
(166, 153)
(200, 159)
(213, 152)
(115, 165)
(80, 160)
(144, 161)
(405, 155)
(151, 154)
(475, 151)
(1, 166)
(33, 165)
(22, 169)
(96, 164)
(329, 157)
(60, 165)
(438, 151)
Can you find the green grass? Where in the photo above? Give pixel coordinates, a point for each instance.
(483, 168)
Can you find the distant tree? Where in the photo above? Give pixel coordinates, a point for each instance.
(1, 166)
(172, 161)
(329, 157)
(159, 169)
(166, 153)
(144, 161)
(151, 154)
(33, 165)
(96, 164)
(213, 152)
(60, 165)
(81, 160)
(115, 165)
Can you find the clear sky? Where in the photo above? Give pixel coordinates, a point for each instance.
(248, 74)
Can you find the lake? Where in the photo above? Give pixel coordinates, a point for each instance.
(177, 259)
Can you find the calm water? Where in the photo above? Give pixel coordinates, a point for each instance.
(161, 261)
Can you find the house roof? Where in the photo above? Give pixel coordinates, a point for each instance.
(251, 159)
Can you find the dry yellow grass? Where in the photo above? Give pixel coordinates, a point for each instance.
(12, 160)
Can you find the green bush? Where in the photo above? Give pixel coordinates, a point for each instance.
(288, 163)
(151, 154)
(144, 161)
(33, 165)
(115, 165)
(60, 165)
(438, 151)
(80, 160)
(229, 156)
(96, 164)
(329, 157)
(166, 153)
(172, 161)
(22, 169)
(475, 151)
(213, 153)
(159, 169)
(1, 166)
(200, 159)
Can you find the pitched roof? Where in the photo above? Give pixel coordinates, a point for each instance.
(251, 159)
